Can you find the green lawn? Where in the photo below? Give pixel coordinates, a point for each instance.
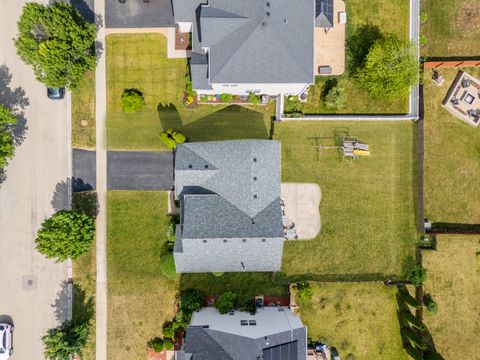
(83, 109)
(140, 62)
(452, 28)
(452, 151)
(367, 208)
(367, 21)
(360, 320)
(84, 273)
(454, 283)
(139, 296)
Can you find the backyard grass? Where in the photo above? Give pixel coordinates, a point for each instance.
(452, 28)
(367, 208)
(454, 283)
(83, 109)
(139, 296)
(140, 62)
(84, 273)
(452, 151)
(367, 21)
(360, 320)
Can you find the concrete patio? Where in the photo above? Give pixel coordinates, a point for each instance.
(302, 207)
(330, 46)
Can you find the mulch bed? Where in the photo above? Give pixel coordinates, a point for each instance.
(182, 40)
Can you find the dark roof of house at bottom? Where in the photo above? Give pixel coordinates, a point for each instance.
(207, 344)
(250, 41)
(229, 189)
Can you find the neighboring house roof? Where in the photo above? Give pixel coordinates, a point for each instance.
(324, 13)
(277, 335)
(236, 181)
(252, 41)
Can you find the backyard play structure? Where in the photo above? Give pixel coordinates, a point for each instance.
(350, 147)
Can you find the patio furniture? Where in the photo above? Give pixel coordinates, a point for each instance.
(324, 69)
(291, 234)
(465, 83)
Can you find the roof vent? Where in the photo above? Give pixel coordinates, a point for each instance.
(264, 23)
(285, 20)
(254, 178)
(206, 166)
(231, 312)
(254, 159)
(255, 196)
(268, 13)
(190, 166)
(268, 4)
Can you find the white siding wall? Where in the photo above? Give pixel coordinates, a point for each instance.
(267, 89)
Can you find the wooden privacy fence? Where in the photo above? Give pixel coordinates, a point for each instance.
(450, 64)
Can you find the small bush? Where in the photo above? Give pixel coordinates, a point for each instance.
(304, 290)
(226, 98)
(132, 100)
(430, 304)
(335, 97)
(190, 300)
(252, 98)
(86, 202)
(167, 266)
(226, 302)
(422, 40)
(168, 344)
(171, 227)
(417, 275)
(247, 304)
(171, 138)
(168, 331)
(178, 137)
(156, 344)
(423, 17)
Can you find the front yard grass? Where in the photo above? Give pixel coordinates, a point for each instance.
(364, 19)
(360, 320)
(453, 281)
(452, 151)
(367, 207)
(83, 110)
(140, 62)
(140, 298)
(452, 28)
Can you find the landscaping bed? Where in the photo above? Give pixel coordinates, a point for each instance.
(451, 157)
(368, 229)
(452, 28)
(360, 320)
(83, 113)
(140, 62)
(453, 281)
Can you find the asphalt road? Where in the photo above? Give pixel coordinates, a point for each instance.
(138, 14)
(31, 287)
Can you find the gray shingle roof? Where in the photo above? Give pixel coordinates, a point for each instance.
(324, 13)
(252, 42)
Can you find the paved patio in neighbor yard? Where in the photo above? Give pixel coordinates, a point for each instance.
(330, 46)
(302, 207)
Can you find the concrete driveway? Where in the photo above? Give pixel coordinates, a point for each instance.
(32, 287)
(138, 14)
(139, 170)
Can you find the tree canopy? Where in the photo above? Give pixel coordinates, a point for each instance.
(66, 234)
(7, 141)
(390, 69)
(58, 42)
(62, 342)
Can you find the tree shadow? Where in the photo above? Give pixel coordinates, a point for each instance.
(16, 100)
(60, 305)
(232, 122)
(60, 196)
(83, 307)
(359, 41)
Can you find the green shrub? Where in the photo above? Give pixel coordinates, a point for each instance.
(417, 275)
(422, 40)
(226, 98)
(167, 266)
(304, 291)
(204, 98)
(169, 142)
(171, 227)
(168, 331)
(132, 100)
(226, 302)
(252, 98)
(190, 300)
(178, 137)
(168, 344)
(247, 304)
(86, 202)
(423, 17)
(335, 97)
(156, 344)
(430, 304)
(477, 255)
(7, 138)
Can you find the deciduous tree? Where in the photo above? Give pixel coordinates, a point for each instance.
(7, 141)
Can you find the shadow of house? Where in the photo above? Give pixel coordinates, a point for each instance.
(16, 100)
(232, 122)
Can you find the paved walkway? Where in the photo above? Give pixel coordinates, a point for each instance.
(32, 288)
(101, 235)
